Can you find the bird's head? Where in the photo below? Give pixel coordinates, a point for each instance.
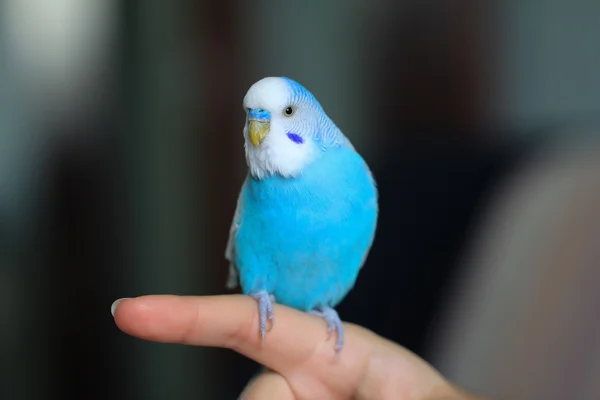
(286, 128)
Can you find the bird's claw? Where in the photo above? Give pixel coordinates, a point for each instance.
(334, 323)
(265, 311)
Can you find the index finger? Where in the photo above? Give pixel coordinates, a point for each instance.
(231, 321)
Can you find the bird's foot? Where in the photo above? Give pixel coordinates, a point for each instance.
(334, 323)
(265, 311)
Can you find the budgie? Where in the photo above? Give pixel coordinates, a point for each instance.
(307, 211)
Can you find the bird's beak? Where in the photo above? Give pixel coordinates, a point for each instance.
(259, 125)
(258, 131)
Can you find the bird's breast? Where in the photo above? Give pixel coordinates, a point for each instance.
(334, 194)
(310, 233)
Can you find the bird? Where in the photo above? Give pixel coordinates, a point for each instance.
(307, 211)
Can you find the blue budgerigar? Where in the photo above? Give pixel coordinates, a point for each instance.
(307, 211)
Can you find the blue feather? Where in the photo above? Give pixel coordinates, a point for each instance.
(305, 239)
(301, 231)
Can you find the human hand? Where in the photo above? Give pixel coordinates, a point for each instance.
(301, 362)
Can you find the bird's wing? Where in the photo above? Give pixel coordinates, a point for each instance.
(232, 280)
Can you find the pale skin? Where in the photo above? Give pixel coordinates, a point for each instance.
(300, 361)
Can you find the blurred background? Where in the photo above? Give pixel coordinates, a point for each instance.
(121, 158)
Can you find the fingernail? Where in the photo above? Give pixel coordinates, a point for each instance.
(115, 304)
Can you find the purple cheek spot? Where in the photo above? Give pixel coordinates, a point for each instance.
(295, 138)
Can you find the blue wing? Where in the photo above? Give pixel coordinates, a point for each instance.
(230, 249)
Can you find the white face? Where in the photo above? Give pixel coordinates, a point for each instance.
(288, 145)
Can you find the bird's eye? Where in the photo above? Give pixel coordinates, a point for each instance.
(289, 111)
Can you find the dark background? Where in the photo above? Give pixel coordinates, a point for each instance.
(121, 158)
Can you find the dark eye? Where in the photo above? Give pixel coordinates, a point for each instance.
(289, 111)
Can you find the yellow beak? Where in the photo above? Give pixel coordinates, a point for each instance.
(258, 131)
